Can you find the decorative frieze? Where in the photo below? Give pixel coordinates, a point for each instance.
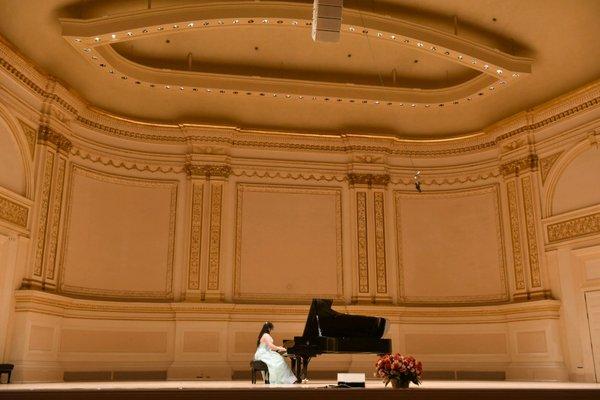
(513, 215)
(195, 237)
(13, 212)
(574, 228)
(546, 164)
(534, 262)
(515, 167)
(214, 249)
(361, 224)
(208, 171)
(368, 179)
(380, 265)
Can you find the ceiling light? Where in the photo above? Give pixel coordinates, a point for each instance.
(352, 29)
(113, 36)
(460, 58)
(78, 40)
(419, 44)
(393, 37)
(486, 66)
(190, 25)
(87, 49)
(236, 21)
(379, 34)
(499, 71)
(96, 39)
(175, 26)
(515, 75)
(129, 33)
(167, 87)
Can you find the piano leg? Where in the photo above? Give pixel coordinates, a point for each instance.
(304, 372)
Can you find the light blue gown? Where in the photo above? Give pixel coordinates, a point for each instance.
(279, 372)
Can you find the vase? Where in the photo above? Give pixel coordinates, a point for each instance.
(400, 383)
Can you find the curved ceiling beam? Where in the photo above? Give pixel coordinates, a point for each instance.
(93, 39)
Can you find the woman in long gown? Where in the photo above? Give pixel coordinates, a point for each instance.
(266, 351)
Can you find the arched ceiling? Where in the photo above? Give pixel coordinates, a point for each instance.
(418, 69)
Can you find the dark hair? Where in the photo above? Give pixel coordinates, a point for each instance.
(266, 328)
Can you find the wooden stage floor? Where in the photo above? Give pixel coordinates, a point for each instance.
(239, 390)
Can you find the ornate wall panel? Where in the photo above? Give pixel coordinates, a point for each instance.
(44, 198)
(288, 243)
(195, 237)
(515, 235)
(362, 242)
(380, 264)
(574, 228)
(214, 245)
(450, 247)
(55, 218)
(13, 212)
(530, 221)
(119, 236)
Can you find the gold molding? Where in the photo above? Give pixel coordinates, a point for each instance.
(207, 170)
(480, 299)
(515, 167)
(195, 237)
(76, 169)
(31, 136)
(54, 218)
(546, 164)
(269, 297)
(515, 235)
(574, 228)
(368, 179)
(362, 242)
(13, 212)
(380, 262)
(214, 249)
(43, 219)
(532, 247)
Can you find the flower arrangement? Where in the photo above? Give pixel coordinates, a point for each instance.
(399, 370)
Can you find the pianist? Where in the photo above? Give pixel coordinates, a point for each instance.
(267, 352)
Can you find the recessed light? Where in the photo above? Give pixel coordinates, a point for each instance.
(87, 49)
(175, 26)
(486, 66)
(460, 58)
(419, 44)
(499, 71)
(393, 37)
(379, 34)
(515, 75)
(96, 39)
(78, 40)
(352, 29)
(190, 25)
(160, 28)
(167, 87)
(129, 33)
(236, 21)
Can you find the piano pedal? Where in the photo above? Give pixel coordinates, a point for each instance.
(305, 380)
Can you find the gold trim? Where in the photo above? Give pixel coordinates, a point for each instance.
(13, 212)
(513, 215)
(534, 263)
(195, 237)
(208, 170)
(55, 219)
(546, 164)
(44, 206)
(515, 167)
(380, 262)
(214, 250)
(31, 136)
(368, 179)
(127, 181)
(586, 225)
(362, 242)
(47, 135)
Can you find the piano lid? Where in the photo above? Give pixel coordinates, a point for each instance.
(323, 321)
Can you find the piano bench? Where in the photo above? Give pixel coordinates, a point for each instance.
(6, 369)
(259, 366)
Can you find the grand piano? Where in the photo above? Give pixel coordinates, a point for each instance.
(331, 332)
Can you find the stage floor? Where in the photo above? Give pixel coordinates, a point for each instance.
(240, 390)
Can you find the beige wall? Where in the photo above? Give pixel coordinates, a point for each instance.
(127, 247)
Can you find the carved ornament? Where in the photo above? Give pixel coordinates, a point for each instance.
(208, 170)
(515, 167)
(13, 212)
(49, 135)
(546, 164)
(368, 179)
